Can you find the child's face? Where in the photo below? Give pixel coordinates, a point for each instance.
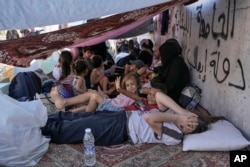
(87, 54)
(131, 85)
(151, 96)
(188, 130)
(133, 68)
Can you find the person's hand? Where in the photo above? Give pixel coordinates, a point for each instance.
(126, 67)
(142, 71)
(189, 114)
(145, 90)
(118, 83)
(187, 123)
(58, 65)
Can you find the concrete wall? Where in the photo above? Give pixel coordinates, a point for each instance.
(215, 36)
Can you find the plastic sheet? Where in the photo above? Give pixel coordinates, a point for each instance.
(21, 141)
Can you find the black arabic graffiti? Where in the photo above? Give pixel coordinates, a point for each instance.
(225, 67)
(215, 64)
(204, 28)
(243, 87)
(198, 65)
(223, 20)
(185, 24)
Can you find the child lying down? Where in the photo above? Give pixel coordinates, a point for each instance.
(112, 127)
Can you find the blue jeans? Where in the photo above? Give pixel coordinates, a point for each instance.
(108, 127)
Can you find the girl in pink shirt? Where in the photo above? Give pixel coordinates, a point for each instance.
(96, 101)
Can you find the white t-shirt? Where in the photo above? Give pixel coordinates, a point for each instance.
(141, 132)
(119, 56)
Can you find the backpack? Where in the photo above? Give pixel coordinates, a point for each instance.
(190, 97)
(24, 86)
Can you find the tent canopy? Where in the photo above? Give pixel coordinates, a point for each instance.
(21, 14)
(20, 52)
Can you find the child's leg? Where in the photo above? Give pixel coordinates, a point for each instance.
(94, 100)
(107, 87)
(104, 84)
(61, 102)
(111, 88)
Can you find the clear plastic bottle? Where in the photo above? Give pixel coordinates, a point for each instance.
(193, 104)
(89, 148)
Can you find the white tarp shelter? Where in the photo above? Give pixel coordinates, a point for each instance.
(21, 14)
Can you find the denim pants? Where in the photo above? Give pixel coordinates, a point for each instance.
(108, 127)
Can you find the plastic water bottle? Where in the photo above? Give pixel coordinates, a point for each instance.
(193, 104)
(89, 148)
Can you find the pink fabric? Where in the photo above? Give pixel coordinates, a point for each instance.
(122, 101)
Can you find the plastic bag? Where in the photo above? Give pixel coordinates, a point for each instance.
(190, 97)
(21, 141)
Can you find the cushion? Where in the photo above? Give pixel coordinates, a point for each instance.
(221, 136)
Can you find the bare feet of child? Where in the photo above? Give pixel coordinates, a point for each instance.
(102, 93)
(58, 100)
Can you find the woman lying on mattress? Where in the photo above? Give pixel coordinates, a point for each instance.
(141, 123)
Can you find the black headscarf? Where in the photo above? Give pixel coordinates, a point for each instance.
(169, 50)
(173, 75)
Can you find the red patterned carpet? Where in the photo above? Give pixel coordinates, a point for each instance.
(126, 155)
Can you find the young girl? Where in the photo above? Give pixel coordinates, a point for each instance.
(95, 101)
(63, 75)
(80, 69)
(62, 71)
(97, 76)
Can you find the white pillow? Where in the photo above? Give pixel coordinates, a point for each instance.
(221, 136)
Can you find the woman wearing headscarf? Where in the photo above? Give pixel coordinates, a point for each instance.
(173, 75)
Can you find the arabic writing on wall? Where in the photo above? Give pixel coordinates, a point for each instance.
(219, 27)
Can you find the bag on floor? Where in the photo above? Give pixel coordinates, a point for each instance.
(21, 140)
(24, 86)
(190, 97)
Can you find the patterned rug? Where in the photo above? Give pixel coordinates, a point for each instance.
(127, 155)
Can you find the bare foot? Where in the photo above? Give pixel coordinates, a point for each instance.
(58, 100)
(99, 90)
